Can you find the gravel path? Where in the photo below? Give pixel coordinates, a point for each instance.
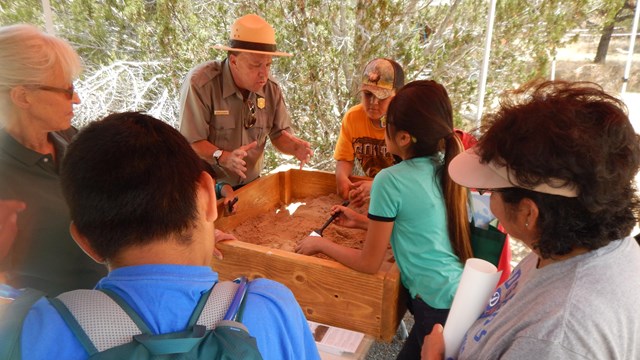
(385, 351)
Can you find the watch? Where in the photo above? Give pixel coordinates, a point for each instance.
(216, 155)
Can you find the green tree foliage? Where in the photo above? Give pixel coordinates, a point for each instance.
(138, 51)
(25, 11)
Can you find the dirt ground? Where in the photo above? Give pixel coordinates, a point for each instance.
(575, 62)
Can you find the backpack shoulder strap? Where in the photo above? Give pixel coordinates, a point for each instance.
(97, 320)
(215, 308)
(14, 307)
(100, 319)
(236, 309)
(233, 317)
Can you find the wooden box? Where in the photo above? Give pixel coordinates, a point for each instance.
(327, 291)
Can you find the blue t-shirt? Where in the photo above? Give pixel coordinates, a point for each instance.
(409, 194)
(165, 297)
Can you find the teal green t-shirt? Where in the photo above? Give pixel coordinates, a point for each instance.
(409, 193)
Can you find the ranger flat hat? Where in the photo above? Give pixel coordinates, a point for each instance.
(251, 33)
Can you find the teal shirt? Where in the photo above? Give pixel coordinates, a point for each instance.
(410, 195)
(43, 255)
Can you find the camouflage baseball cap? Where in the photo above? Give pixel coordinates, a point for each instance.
(381, 77)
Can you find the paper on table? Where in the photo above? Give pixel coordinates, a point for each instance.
(335, 340)
(478, 282)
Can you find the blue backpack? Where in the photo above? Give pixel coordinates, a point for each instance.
(108, 328)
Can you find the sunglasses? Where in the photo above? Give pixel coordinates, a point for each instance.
(488, 190)
(68, 92)
(250, 118)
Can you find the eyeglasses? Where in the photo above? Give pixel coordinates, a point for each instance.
(250, 118)
(68, 92)
(484, 191)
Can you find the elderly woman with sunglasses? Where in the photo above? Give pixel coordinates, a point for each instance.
(36, 102)
(560, 159)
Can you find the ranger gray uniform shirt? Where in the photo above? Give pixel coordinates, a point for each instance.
(212, 108)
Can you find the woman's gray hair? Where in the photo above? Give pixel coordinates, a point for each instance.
(29, 56)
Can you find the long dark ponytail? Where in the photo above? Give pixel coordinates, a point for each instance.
(423, 109)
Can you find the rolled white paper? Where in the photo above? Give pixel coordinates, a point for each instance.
(478, 282)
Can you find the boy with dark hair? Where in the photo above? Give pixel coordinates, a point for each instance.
(142, 204)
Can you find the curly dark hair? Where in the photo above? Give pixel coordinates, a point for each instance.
(581, 135)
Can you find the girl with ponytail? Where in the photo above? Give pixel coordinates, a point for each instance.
(416, 207)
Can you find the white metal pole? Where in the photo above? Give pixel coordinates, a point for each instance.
(632, 41)
(485, 61)
(48, 17)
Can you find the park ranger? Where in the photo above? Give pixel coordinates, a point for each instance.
(228, 108)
